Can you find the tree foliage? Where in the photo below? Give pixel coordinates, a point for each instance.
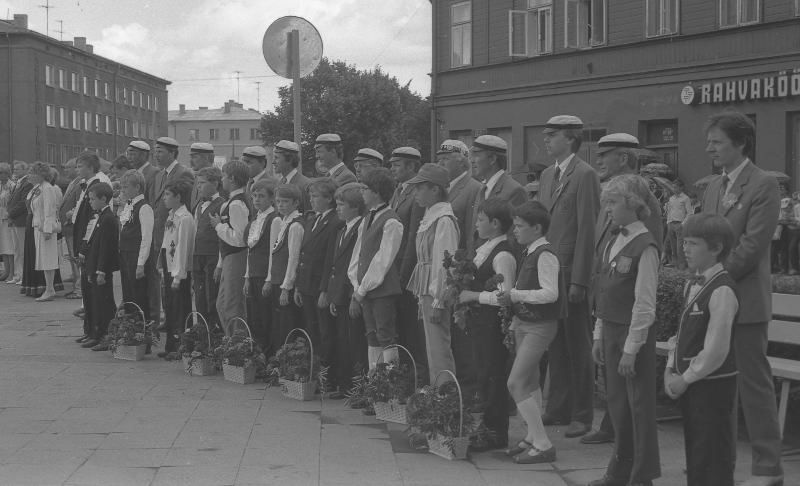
(368, 108)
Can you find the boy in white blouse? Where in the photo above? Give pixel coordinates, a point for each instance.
(701, 368)
(176, 262)
(135, 241)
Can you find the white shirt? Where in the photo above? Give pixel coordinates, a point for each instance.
(643, 313)
(547, 269)
(232, 232)
(391, 238)
(288, 177)
(257, 178)
(679, 207)
(179, 242)
(171, 166)
(562, 166)
(492, 182)
(447, 237)
(93, 224)
(503, 264)
(295, 238)
(455, 181)
(722, 307)
(257, 226)
(100, 177)
(732, 175)
(319, 217)
(146, 221)
(205, 204)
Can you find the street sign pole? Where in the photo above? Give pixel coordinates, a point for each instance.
(294, 61)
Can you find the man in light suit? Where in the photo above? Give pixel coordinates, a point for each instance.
(616, 156)
(570, 190)
(749, 199)
(256, 159)
(453, 155)
(329, 152)
(286, 163)
(488, 156)
(166, 155)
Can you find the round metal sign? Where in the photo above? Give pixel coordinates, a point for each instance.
(687, 95)
(276, 46)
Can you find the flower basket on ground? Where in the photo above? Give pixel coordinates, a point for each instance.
(437, 411)
(389, 386)
(197, 347)
(128, 333)
(294, 368)
(241, 357)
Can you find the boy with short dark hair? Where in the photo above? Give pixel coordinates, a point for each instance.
(701, 368)
(206, 243)
(100, 255)
(625, 290)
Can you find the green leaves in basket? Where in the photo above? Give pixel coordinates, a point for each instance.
(437, 411)
(127, 329)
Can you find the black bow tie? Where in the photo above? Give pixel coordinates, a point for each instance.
(83, 185)
(697, 280)
(620, 230)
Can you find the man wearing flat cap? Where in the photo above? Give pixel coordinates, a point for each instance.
(463, 190)
(166, 155)
(616, 155)
(201, 155)
(329, 152)
(570, 190)
(256, 159)
(286, 164)
(366, 160)
(489, 158)
(138, 155)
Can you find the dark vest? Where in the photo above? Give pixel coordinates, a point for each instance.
(206, 241)
(487, 315)
(258, 256)
(280, 254)
(528, 279)
(224, 248)
(130, 236)
(370, 244)
(694, 325)
(616, 281)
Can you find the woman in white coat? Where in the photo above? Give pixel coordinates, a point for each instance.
(45, 199)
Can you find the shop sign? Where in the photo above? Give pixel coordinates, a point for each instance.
(782, 85)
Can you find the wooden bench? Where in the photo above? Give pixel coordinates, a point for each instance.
(784, 328)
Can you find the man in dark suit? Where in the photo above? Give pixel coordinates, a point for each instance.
(138, 155)
(453, 155)
(488, 155)
(616, 156)
(286, 162)
(404, 163)
(320, 230)
(166, 155)
(100, 252)
(329, 153)
(256, 159)
(366, 160)
(749, 199)
(17, 217)
(570, 190)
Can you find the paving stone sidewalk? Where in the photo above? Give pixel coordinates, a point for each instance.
(70, 416)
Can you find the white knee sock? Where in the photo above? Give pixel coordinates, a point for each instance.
(532, 413)
(373, 352)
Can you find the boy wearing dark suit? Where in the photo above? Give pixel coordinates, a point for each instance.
(309, 294)
(100, 253)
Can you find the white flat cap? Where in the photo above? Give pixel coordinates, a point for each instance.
(563, 122)
(201, 148)
(287, 146)
(255, 151)
(368, 153)
(453, 147)
(491, 142)
(406, 153)
(616, 140)
(329, 138)
(140, 145)
(167, 141)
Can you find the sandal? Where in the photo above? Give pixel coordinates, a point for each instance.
(523, 446)
(73, 295)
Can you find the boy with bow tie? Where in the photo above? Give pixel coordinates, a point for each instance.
(135, 241)
(206, 243)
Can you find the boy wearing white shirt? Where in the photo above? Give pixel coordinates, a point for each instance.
(206, 244)
(135, 241)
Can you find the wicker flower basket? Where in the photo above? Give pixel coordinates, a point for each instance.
(394, 411)
(450, 447)
(242, 375)
(136, 352)
(300, 390)
(203, 366)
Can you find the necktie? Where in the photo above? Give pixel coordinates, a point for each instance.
(371, 217)
(316, 222)
(83, 185)
(283, 180)
(129, 202)
(696, 280)
(556, 180)
(396, 196)
(723, 188)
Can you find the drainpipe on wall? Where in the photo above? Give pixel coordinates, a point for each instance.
(435, 62)
(116, 119)
(10, 72)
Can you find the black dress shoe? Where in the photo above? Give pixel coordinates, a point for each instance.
(100, 347)
(90, 343)
(608, 481)
(597, 437)
(576, 429)
(82, 339)
(548, 419)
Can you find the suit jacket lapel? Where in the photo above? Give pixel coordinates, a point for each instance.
(735, 194)
(348, 237)
(562, 184)
(456, 190)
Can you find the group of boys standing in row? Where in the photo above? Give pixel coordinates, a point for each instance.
(357, 261)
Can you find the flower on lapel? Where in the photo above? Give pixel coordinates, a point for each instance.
(730, 200)
(170, 224)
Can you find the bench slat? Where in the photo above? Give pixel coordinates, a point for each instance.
(784, 332)
(786, 306)
(787, 369)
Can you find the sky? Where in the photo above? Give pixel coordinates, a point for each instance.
(199, 44)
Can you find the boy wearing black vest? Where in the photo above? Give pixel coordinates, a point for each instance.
(259, 242)
(283, 261)
(625, 290)
(230, 225)
(206, 243)
(701, 368)
(135, 240)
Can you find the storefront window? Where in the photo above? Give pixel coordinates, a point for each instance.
(461, 34)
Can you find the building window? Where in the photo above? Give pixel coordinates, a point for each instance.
(97, 88)
(108, 123)
(213, 133)
(62, 79)
(797, 8)
(530, 32)
(141, 100)
(135, 125)
(461, 34)
(733, 13)
(124, 96)
(85, 81)
(127, 127)
(106, 91)
(74, 82)
(51, 115)
(662, 17)
(254, 134)
(155, 103)
(194, 134)
(98, 122)
(234, 134)
(51, 153)
(148, 101)
(584, 23)
(133, 98)
(76, 120)
(49, 75)
(87, 121)
(63, 121)
(64, 154)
